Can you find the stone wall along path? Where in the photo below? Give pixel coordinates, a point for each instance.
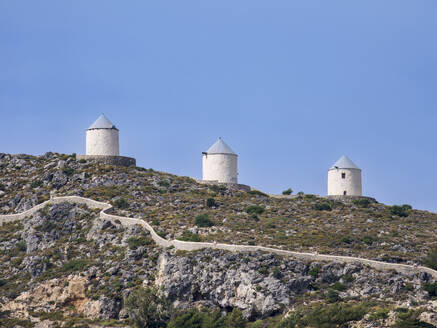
(193, 246)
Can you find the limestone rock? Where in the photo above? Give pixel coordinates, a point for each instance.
(429, 317)
(59, 179)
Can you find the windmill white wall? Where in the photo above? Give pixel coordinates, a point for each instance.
(344, 179)
(220, 163)
(102, 138)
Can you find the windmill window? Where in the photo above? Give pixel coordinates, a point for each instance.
(344, 192)
(343, 175)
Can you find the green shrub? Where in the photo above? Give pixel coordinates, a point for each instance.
(191, 319)
(323, 206)
(314, 271)
(197, 319)
(348, 278)
(203, 221)
(52, 316)
(75, 265)
(82, 161)
(135, 242)
(147, 308)
(210, 202)
(68, 171)
(164, 183)
(334, 315)
(263, 270)
(257, 324)
(36, 184)
(292, 320)
(380, 313)
(270, 224)
(21, 247)
(332, 296)
(277, 273)
(431, 259)
(346, 240)
(409, 286)
(235, 319)
(368, 240)
(287, 192)
(401, 310)
(310, 196)
(2, 187)
(431, 288)
(121, 203)
(362, 202)
(7, 322)
(402, 211)
(155, 222)
(189, 236)
(2, 282)
(255, 209)
(254, 217)
(339, 286)
(410, 319)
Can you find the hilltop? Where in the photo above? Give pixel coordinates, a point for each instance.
(64, 264)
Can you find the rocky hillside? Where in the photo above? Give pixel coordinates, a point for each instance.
(63, 266)
(173, 205)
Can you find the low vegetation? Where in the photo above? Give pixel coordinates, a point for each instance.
(136, 242)
(210, 202)
(148, 309)
(363, 202)
(402, 211)
(75, 265)
(189, 236)
(203, 221)
(431, 288)
(255, 209)
(323, 206)
(121, 203)
(431, 259)
(287, 192)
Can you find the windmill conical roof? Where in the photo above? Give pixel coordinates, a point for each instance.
(345, 163)
(220, 147)
(102, 123)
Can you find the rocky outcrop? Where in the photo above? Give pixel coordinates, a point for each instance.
(66, 295)
(46, 227)
(262, 284)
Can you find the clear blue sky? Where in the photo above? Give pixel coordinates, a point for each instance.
(289, 85)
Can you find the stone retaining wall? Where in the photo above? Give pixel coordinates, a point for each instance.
(238, 186)
(349, 198)
(109, 160)
(192, 246)
(342, 198)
